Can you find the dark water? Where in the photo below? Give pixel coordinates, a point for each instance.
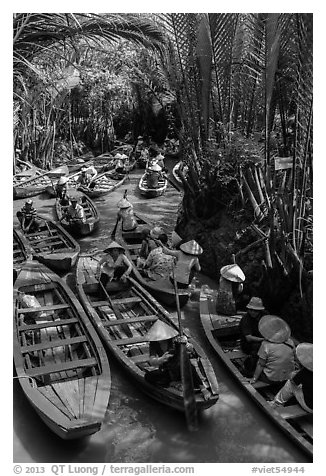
(138, 429)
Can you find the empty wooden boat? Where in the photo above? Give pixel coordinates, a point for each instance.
(21, 177)
(38, 184)
(21, 250)
(223, 334)
(60, 362)
(123, 321)
(149, 192)
(52, 245)
(103, 184)
(79, 228)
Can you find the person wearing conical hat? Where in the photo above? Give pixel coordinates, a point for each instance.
(276, 354)
(75, 212)
(300, 385)
(86, 177)
(153, 174)
(187, 262)
(119, 163)
(61, 188)
(114, 265)
(230, 287)
(27, 217)
(126, 214)
(164, 351)
(251, 337)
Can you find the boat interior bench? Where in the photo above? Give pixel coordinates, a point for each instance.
(61, 367)
(25, 310)
(44, 325)
(129, 320)
(53, 343)
(292, 411)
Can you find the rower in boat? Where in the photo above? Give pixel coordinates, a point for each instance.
(114, 266)
(27, 218)
(300, 385)
(276, 361)
(126, 214)
(87, 176)
(158, 264)
(230, 288)
(164, 351)
(61, 190)
(187, 262)
(156, 157)
(119, 164)
(251, 338)
(154, 173)
(74, 213)
(148, 243)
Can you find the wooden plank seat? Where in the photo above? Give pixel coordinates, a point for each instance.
(99, 303)
(127, 300)
(236, 354)
(54, 307)
(53, 343)
(117, 322)
(41, 230)
(44, 325)
(130, 340)
(291, 411)
(56, 238)
(61, 367)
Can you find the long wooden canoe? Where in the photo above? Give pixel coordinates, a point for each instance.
(123, 331)
(104, 185)
(38, 184)
(79, 228)
(21, 250)
(161, 289)
(149, 192)
(224, 336)
(60, 362)
(21, 177)
(52, 245)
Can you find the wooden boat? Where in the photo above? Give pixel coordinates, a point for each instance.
(176, 173)
(123, 330)
(75, 164)
(60, 362)
(38, 184)
(52, 245)
(152, 192)
(224, 336)
(21, 177)
(104, 184)
(21, 250)
(91, 214)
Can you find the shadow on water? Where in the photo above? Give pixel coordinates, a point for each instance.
(137, 428)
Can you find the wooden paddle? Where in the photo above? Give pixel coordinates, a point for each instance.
(186, 374)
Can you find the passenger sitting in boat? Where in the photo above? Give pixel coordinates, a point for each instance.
(74, 212)
(187, 262)
(276, 353)
(155, 156)
(119, 164)
(164, 351)
(27, 218)
(114, 265)
(300, 385)
(126, 214)
(153, 174)
(251, 338)
(87, 176)
(159, 265)
(230, 287)
(61, 189)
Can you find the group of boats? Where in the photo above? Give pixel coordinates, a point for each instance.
(63, 343)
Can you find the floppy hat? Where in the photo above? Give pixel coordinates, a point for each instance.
(256, 304)
(124, 203)
(191, 248)
(112, 246)
(161, 331)
(62, 180)
(156, 232)
(304, 353)
(233, 272)
(274, 329)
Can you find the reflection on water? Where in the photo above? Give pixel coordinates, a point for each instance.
(136, 428)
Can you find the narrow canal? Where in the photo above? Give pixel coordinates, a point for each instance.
(138, 429)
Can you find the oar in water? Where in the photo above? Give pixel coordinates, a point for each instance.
(186, 374)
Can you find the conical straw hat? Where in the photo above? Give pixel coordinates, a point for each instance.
(161, 331)
(62, 180)
(274, 329)
(117, 156)
(113, 245)
(191, 248)
(155, 167)
(304, 352)
(233, 272)
(124, 203)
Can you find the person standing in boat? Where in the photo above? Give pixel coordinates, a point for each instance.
(114, 265)
(119, 164)
(187, 262)
(164, 352)
(126, 214)
(153, 174)
(27, 218)
(300, 385)
(230, 287)
(276, 361)
(86, 177)
(74, 212)
(61, 190)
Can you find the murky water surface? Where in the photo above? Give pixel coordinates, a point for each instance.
(138, 429)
